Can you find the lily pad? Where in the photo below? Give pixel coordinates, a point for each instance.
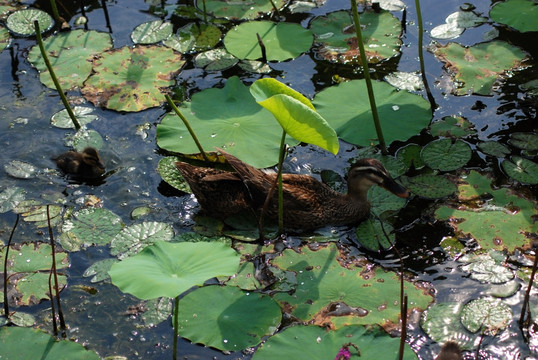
(446, 155)
(478, 67)
(70, 54)
(282, 41)
(228, 118)
(505, 222)
(83, 114)
(453, 126)
(521, 169)
(221, 317)
(10, 198)
(152, 32)
(441, 321)
(322, 281)
(36, 212)
(216, 59)
(494, 148)
(4, 38)
(99, 270)
(85, 138)
(489, 315)
(404, 81)
(371, 235)
(194, 37)
(21, 22)
(240, 10)
(401, 113)
(20, 169)
(525, 141)
(314, 342)
(43, 346)
(518, 14)
(132, 239)
(169, 172)
(132, 78)
(409, 155)
(487, 269)
(429, 186)
(89, 226)
(335, 34)
(170, 269)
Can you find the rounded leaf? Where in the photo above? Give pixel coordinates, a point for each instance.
(446, 155)
(430, 186)
(21, 22)
(521, 169)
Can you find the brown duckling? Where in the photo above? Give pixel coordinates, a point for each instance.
(85, 165)
(450, 351)
(308, 203)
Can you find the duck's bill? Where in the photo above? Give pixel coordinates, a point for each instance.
(395, 188)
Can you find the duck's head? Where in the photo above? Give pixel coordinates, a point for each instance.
(367, 172)
(91, 157)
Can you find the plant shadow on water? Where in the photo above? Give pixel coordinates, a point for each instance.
(465, 236)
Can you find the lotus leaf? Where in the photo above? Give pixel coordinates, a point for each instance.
(70, 54)
(281, 41)
(401, 114)
(519, 14)
(132, 78)
(132, 239)
(240, 10)
(27, 343)
(456, 126)
(228, 118)
(521, 169)
(335, 33)
(445, 154)
(322, 281)
(504, 223)
(170, 269)
(152, 32)
(490, 315)
(478, 67)
(227, 318)
(21, 22)
(314, 342)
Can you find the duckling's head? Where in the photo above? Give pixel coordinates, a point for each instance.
(450, 351)
(367, 172)
(91, 158)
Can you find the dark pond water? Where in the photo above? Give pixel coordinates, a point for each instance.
(100, 321)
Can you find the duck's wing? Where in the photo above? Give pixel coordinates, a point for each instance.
(303, 192)
(251, 176)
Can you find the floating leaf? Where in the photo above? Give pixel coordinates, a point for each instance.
(132, 239)
(4, 38)
(404, 81)
(132, 78)
(158, 310)
(490, 315)
(383, 201)
(519, 14)
(152, 32)
(89, 226)
(83, 114)
(409, 155)
(430, 186)
(216, 59)
(170, 269)
(282, 41)
(254, 66)
(10, 198)
(314, 342)
(371, 235)
(241, 10)
(521, 169)
(194, 37)
(478, 67)
(169, 172)
(43, 346)
(221, 317)
(21, 22)
(441, 321)
(446, 155)
(456, 126)
(20, 169)
(99, 270)
(525, 141)
(85, 138)
(36, 212)
(335, 33)
(494, 148)
(70, 54)
(486, 269)
(402, 114)
(446, 31)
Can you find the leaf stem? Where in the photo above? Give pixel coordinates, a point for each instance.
(176, 326)
(431, 99)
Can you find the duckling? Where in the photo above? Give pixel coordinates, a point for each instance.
(85, 165)
(308, 203)
(450, 351)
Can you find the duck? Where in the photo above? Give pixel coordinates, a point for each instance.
(450, 351)
(307, 203)
(84, 165)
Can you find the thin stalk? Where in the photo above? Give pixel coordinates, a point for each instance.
(6, 306)
(54, 78)
(526, 309)
(421, 56)
(63, 327)
(107, 18)
(55, 10)
(176, 326)
(364, 62)
(186, 122)
(205, 11)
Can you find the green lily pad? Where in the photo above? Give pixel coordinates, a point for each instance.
(409, 155)
(158, 310)
(401, 113)
(525, 141)
(227, 118)
(170, 269)
(282, 41)
(446, 31)
(132, 78)
(429, 186)
(245, 278)
(10, 198)
(383, 201)
(494, 148)
(20, 169)
(314, 342)
(240, 10)
(4, 38)
(71, 61)
(132, 239)
(486, 269)
(36, 212)
(478, 67)
(446, 155)
(254, 66)
(453, 126)
(404, 81)
(221, 317)
(521, 169)
(322, 281)
(489, 315)
(441, 321)
(89, 226)
(505, 222)
(99, 270)
(370, 234)
(215, 60)
(37, 344)
(518, 14)
(456, 23)
(194, 37)
(85, 138)
(335, 33)
(169, 172)
(83, 114)
(21, 22)
(152, 32)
